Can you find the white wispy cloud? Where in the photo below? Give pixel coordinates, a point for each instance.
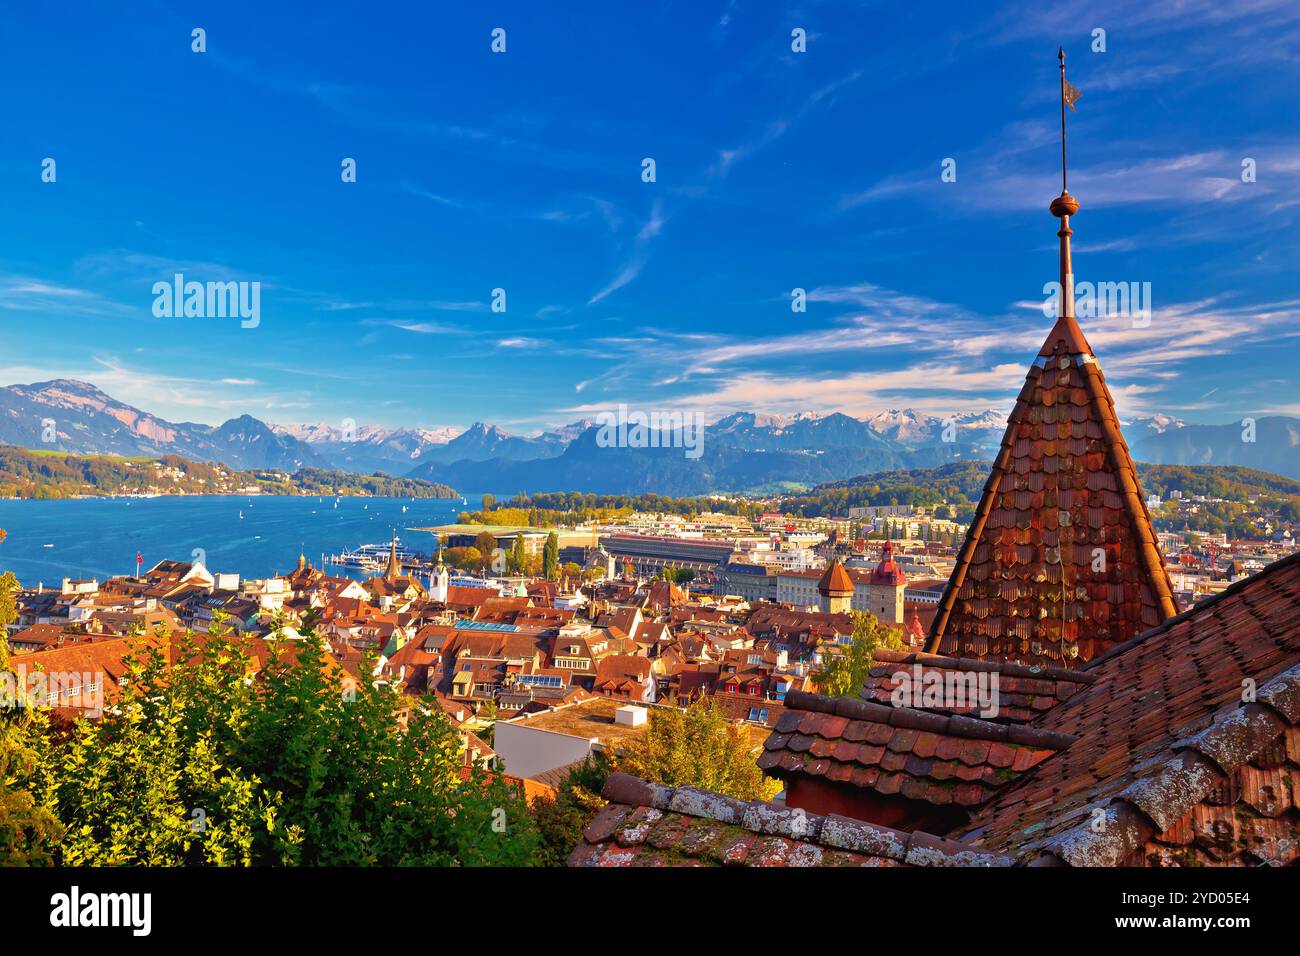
(423, 328)
(988, 183)
(926, 354)
(47, 298)
(632, 266)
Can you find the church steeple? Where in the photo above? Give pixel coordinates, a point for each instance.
(1066, 336)
(394, 569)
(1061, 560)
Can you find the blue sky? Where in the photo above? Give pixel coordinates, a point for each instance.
(522, 171)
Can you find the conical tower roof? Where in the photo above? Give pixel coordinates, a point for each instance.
(1061, 560)
(835, 581)
(393, 571)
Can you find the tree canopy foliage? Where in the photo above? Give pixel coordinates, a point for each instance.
(48, 474)
(299, 765)
(697, 746)
(844, 672)
(29, 832)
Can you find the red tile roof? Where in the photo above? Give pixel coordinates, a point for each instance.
(1062, 491)
(459, 596)
(1247, 818)
(73, 667)
(1023, 692)
(919, 755)
(887, 573)
(621, 675)
(835, 581)
(1171, 765)
(797, 631)
(647, 824)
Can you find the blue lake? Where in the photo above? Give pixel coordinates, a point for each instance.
(99, 537)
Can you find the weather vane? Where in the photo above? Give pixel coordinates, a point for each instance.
(1068, 97)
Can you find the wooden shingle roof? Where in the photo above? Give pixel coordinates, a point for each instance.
(937, 758)
(1188, 748)
(1023, 692)
(1061, 561)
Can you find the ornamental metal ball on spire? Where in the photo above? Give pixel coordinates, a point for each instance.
(1064, 205)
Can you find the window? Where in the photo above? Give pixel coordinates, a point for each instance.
(758, 714)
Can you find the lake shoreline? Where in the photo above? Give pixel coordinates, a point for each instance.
(254, 536)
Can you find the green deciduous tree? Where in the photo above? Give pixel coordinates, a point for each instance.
(560, 821)
(846, 669)
(698, 747)
(487, 546)
(29, 831)
(301, 764)
(551, 557)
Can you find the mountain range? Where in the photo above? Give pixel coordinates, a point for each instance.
(402, 450)
(76, 417)
(741, 452)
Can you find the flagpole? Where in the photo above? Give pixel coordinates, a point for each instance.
(1064, 206)
(1060, 55)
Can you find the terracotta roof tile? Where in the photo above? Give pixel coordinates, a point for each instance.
(1188, 739)
(1055, 498)
(1023, 691)
(947, 759)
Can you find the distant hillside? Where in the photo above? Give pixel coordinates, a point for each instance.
(48, 474)
(1275, 446)
(959, 484)
(1215, 481)
(962, 483)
